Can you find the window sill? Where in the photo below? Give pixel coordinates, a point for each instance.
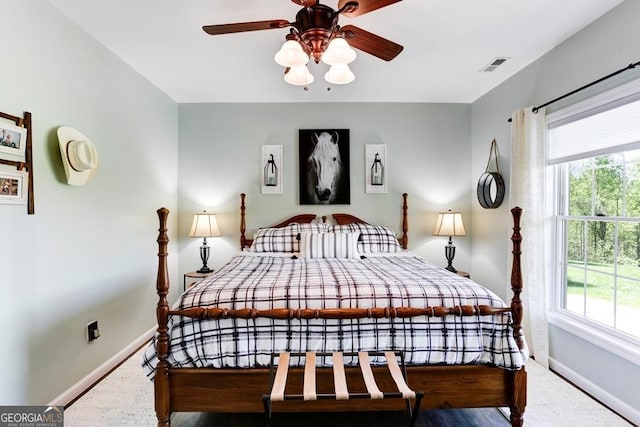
(608, 340)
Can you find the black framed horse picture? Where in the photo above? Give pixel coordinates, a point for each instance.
(324, 167)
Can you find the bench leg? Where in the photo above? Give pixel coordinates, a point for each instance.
(266, 401)
(416, 408)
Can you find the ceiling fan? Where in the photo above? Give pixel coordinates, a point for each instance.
(316, 25)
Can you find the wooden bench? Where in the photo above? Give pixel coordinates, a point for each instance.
(309, 393)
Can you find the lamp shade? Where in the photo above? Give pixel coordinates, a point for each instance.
(204, 225)
(449, 224)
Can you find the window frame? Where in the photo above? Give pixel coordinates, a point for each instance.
(601, 335)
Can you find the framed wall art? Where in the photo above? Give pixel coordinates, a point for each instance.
(13, 187)
(13, 140)
(16, 153)
(375, 170)
(271, 169)
(324, 167)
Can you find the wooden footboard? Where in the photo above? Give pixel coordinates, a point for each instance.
(241, 390)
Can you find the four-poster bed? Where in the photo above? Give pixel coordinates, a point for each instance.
(493, 378)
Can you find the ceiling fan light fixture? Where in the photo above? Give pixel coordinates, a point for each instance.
(291, 54)
(339, 74)
(338, 52)
(298, 75)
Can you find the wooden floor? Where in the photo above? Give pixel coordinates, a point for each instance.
(440, 418)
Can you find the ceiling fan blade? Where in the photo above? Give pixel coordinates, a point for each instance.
(371, 43)
(304, 3)
(240, 27)
(366, 6)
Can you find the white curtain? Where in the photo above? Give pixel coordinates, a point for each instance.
(528, 190)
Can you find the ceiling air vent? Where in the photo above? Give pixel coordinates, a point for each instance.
(494, 64)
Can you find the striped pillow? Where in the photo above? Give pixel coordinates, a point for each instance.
(329, 245)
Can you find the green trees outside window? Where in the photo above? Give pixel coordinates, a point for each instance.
(602, 229)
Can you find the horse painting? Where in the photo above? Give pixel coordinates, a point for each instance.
(324, 179)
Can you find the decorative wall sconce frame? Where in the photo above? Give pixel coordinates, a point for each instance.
(271, 169)
(376, 170)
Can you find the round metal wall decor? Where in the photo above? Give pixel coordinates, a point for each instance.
(490, 190)
(491, 185)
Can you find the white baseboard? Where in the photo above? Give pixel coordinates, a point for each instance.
(84, 384)
(623, 409)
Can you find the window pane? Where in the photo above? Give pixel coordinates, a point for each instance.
(608, 182)
(628, 291)
(628, 310)
(599, 304)
(575, 289)
(581, 187)
(629, 245)
(600, 249)
(575, 241)
(633, 183)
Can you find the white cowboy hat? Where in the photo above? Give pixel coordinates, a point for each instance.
(79, 155)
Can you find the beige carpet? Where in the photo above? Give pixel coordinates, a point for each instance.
(125, 398)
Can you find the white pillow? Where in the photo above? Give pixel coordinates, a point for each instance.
(329, 245)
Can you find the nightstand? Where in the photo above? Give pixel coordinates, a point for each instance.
(193, 275)
(464, 274)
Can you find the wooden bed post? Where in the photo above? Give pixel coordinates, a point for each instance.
(243, 223)
(404, 240)
(161, 380)
(519, 376)
(516, 279)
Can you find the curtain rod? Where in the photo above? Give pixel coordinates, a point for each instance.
(601, 79)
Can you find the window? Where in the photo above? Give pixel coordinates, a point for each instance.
(596, 156)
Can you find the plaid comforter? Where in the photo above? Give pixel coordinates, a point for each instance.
(265, 282)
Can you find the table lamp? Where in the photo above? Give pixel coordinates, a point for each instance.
(449, 224)
(204, 225)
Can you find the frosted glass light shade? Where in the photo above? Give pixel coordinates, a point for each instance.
(339, 74)
(291, 54)
(338, 52)
(298, 75)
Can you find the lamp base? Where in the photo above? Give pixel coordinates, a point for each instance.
(204, 256)
(450, 253)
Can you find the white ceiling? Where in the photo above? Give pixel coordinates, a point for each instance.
(446, 45)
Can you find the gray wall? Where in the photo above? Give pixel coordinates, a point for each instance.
(608, 44)
(88, 252)
(220, 150)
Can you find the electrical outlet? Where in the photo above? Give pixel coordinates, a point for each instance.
(93, 333)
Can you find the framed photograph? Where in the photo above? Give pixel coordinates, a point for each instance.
(13, 139)
(375, 168)
(13, 187)
(271, 169)
(324, 167)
